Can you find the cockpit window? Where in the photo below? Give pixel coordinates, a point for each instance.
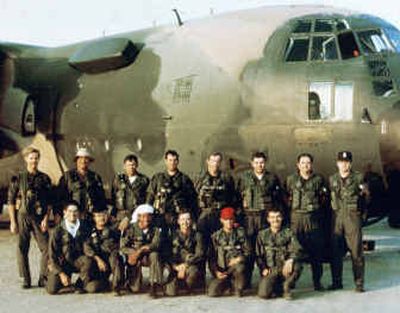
(394, 36)
(297, 49)
(348, 46)
(342, 25)
(331, 101)
(324, 48)
(324, 26)
(302, 27)
(373, 41)
(383, 88)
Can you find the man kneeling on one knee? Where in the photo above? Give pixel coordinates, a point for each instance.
(66, 252)
(229, 253)
(187, 257)
(142, 244)
(102, 247)
(278, 253)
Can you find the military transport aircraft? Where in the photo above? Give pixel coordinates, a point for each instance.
(283, 79)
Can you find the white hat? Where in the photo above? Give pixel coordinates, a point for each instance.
(84, 153)
(141, 209)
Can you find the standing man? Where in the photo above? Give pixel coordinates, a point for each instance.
(82, 185)
(187, 257)
(215, 190)
(260, 190)
(66, 252)
(128, 191)
(142, 245)
(230, 250)
(102, 246)
(278, 256)
(308, 196)
(171, 191)
(32, 190)
(347, 195)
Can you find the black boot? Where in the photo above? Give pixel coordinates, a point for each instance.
(42, 282)
(153, 291)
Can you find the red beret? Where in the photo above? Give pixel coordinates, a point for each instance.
(227, 213)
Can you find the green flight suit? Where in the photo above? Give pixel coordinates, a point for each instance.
(347, 205)
(225, 247)
(86, 190)
(272, 250)
(132, 240)
(33, 192)
(169, 195)
(66, 255)
(105, 244)
(189, 250)
(214, 193)
(308, 199)
(127, 196)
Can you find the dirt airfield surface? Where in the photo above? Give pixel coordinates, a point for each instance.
(382, 285)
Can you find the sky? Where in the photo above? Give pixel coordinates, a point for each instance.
(60, 22)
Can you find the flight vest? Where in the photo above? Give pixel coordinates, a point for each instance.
(72, 248)
(97, 238)
(277, 247)
(259, 195)
(306, 195)
(229, 246)
(128, 196)
(182, 247)
(88, 192)
(34, 191)
(214, 192)
(172, 193)
(346, 195)
(137, 238)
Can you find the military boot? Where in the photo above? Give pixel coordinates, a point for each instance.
(153, 291)
(42, 281)
(287, 294)
(359, 288)
(336, 286)
(26, 284)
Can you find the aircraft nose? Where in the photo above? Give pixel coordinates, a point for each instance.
(390, 138)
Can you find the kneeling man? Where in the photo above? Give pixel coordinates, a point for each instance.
(187, 257)
(102, 246)
(277, 255)
(141, 245)
(229, 255)
(66, 252)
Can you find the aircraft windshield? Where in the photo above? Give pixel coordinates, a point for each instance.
(373, 41)
(394, 36)
(324, 48)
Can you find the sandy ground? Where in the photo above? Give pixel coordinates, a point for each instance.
(382, 284)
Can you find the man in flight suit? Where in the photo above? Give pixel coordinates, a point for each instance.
(278, 255)
(347, 196)
(187, 257)
(308, 197)
(141, 244)
(128, 191)
(82, 185)
(102, 246)
(171, 191)
(229, 252)
(31, 189)
(66, 252)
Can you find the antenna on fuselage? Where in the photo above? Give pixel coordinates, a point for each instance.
(178, 17)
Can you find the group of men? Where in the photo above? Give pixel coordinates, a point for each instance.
(170, 224)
